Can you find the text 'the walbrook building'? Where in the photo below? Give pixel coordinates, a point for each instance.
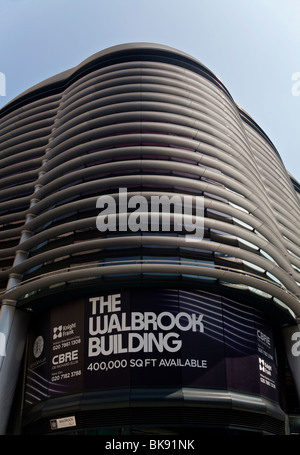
(149, 256)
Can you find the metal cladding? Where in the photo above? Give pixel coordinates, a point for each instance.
(155, 121)
(144, 120)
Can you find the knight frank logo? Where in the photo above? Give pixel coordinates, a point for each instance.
(64, 330)
(57, 332)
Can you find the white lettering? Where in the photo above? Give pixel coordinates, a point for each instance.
(108, 327)
(111, 304)
(147, 342)
(124, 445)
(263, 337)
(103, 324)
(65, 357)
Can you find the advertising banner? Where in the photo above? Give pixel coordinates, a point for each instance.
(154, 338)
(266, 360)
(37, 379)
(66, 348)
(55, 353)
(151, 338)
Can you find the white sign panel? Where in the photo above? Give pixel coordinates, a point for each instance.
(64, 422)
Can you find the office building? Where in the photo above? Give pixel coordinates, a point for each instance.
(147, 328)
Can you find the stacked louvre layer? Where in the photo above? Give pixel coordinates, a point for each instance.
(147, 120)
(154, 121)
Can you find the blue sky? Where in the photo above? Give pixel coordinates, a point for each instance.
(253, 46)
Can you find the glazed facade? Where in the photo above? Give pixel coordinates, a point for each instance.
(153, 120)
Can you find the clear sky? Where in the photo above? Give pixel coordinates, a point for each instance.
(253, 46)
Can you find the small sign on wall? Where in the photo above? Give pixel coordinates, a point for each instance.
(64, 422)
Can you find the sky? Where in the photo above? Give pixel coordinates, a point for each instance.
(253, 46)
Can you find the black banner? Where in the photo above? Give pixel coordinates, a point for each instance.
(151, 338)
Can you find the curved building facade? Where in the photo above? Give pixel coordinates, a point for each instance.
(145, 329)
